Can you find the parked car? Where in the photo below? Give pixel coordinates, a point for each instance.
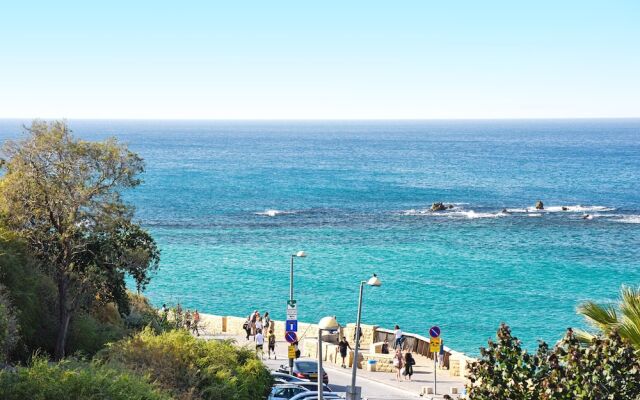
(313, 386)
(314, 396)
(285, 391)
(308, 369)
(286, 377)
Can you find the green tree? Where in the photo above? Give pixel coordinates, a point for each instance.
(605, 368)
(623, 318)
(63, 196)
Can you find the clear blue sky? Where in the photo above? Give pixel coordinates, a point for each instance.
(321, 59)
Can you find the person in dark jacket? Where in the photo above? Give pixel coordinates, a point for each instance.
(409, 362)
(343, 345)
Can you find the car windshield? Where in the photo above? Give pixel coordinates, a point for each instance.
(307, 366)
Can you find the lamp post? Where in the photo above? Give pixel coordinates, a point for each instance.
(300, 254)
(325, 324)
(352, 391)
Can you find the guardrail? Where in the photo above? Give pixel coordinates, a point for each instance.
(415, 343)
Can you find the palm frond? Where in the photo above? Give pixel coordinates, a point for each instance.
(603, 317)
(583, 336)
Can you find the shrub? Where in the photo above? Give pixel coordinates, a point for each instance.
(190, 368)
(8, 326)
(32, 294)
(75, 381)
(605, 368)
(88, 335)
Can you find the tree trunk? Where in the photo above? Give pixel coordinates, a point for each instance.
(64, 316)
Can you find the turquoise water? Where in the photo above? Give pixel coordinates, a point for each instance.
(228, 202)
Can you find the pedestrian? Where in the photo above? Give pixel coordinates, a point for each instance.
(343, 345)
(398, 335)
(409, 362)
(441, 355)
(254, 318)
(164, 313)
(187, 320)
(259, 344)
(355, 337)
(259, 325)
(295, 346)
(178, 316)
(272, 344)
(196, 322)
(247, 327)
(398, 363)
(385, 347)
(267, 322)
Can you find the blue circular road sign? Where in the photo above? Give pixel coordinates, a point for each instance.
(434, 332)
(290, 337)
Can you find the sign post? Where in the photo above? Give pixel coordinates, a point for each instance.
(434, 347)
(291, 327)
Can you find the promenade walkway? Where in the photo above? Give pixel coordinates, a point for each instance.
(375, 385)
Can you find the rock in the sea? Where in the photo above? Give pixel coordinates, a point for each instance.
(438, 207)
(565, 208)
(539, 205)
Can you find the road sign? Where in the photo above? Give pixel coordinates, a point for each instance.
(291, 337)
(292, 351)
(292, 304)
(434, 344)
(292, 314)
(291, 325)
(434, 331)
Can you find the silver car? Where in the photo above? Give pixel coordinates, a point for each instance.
(286, 391)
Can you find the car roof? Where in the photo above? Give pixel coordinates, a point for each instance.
(314, 394)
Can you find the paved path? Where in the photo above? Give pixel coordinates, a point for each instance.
(375, 385)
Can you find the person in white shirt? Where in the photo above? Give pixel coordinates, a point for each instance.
(259, 343)
(259, 325)
(398, 335)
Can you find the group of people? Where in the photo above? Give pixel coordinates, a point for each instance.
(188, 320)
(256, 326)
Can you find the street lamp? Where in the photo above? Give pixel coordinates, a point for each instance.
(352, 391)
(300, 254)
(325, 324)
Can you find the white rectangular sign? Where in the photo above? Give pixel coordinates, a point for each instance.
(292, 314)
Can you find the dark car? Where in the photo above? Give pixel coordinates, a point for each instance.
(308, 369)
(286, 377)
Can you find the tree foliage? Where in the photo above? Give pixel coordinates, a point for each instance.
(63, 196)
(192, 369)
(605, 368)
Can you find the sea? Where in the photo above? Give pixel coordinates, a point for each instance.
(229, 202)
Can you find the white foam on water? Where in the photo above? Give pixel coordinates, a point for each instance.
(534, 215)
(577, 208)
(629, 219)
(452, 213)
(274, 213)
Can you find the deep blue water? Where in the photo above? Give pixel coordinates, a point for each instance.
(228, 202)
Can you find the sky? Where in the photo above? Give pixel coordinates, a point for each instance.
(319, 60)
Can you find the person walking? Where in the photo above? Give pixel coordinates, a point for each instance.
(441, 355)
(385, 347)
(343, 345)
(272, 345)
(409, 362)
(398, 335)
(254, 318)
(187, 320)
(267, 322)
(259, 344)
(259, 325)
(398, 363)
(196, 322)
(247, 327)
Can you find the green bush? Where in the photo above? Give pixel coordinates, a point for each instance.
(8, 326)
(608, 367)
(88, 335)
(32, 294)
(190, 368)
(75, 381)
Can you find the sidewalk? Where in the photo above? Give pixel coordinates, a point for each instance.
(423, 374)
